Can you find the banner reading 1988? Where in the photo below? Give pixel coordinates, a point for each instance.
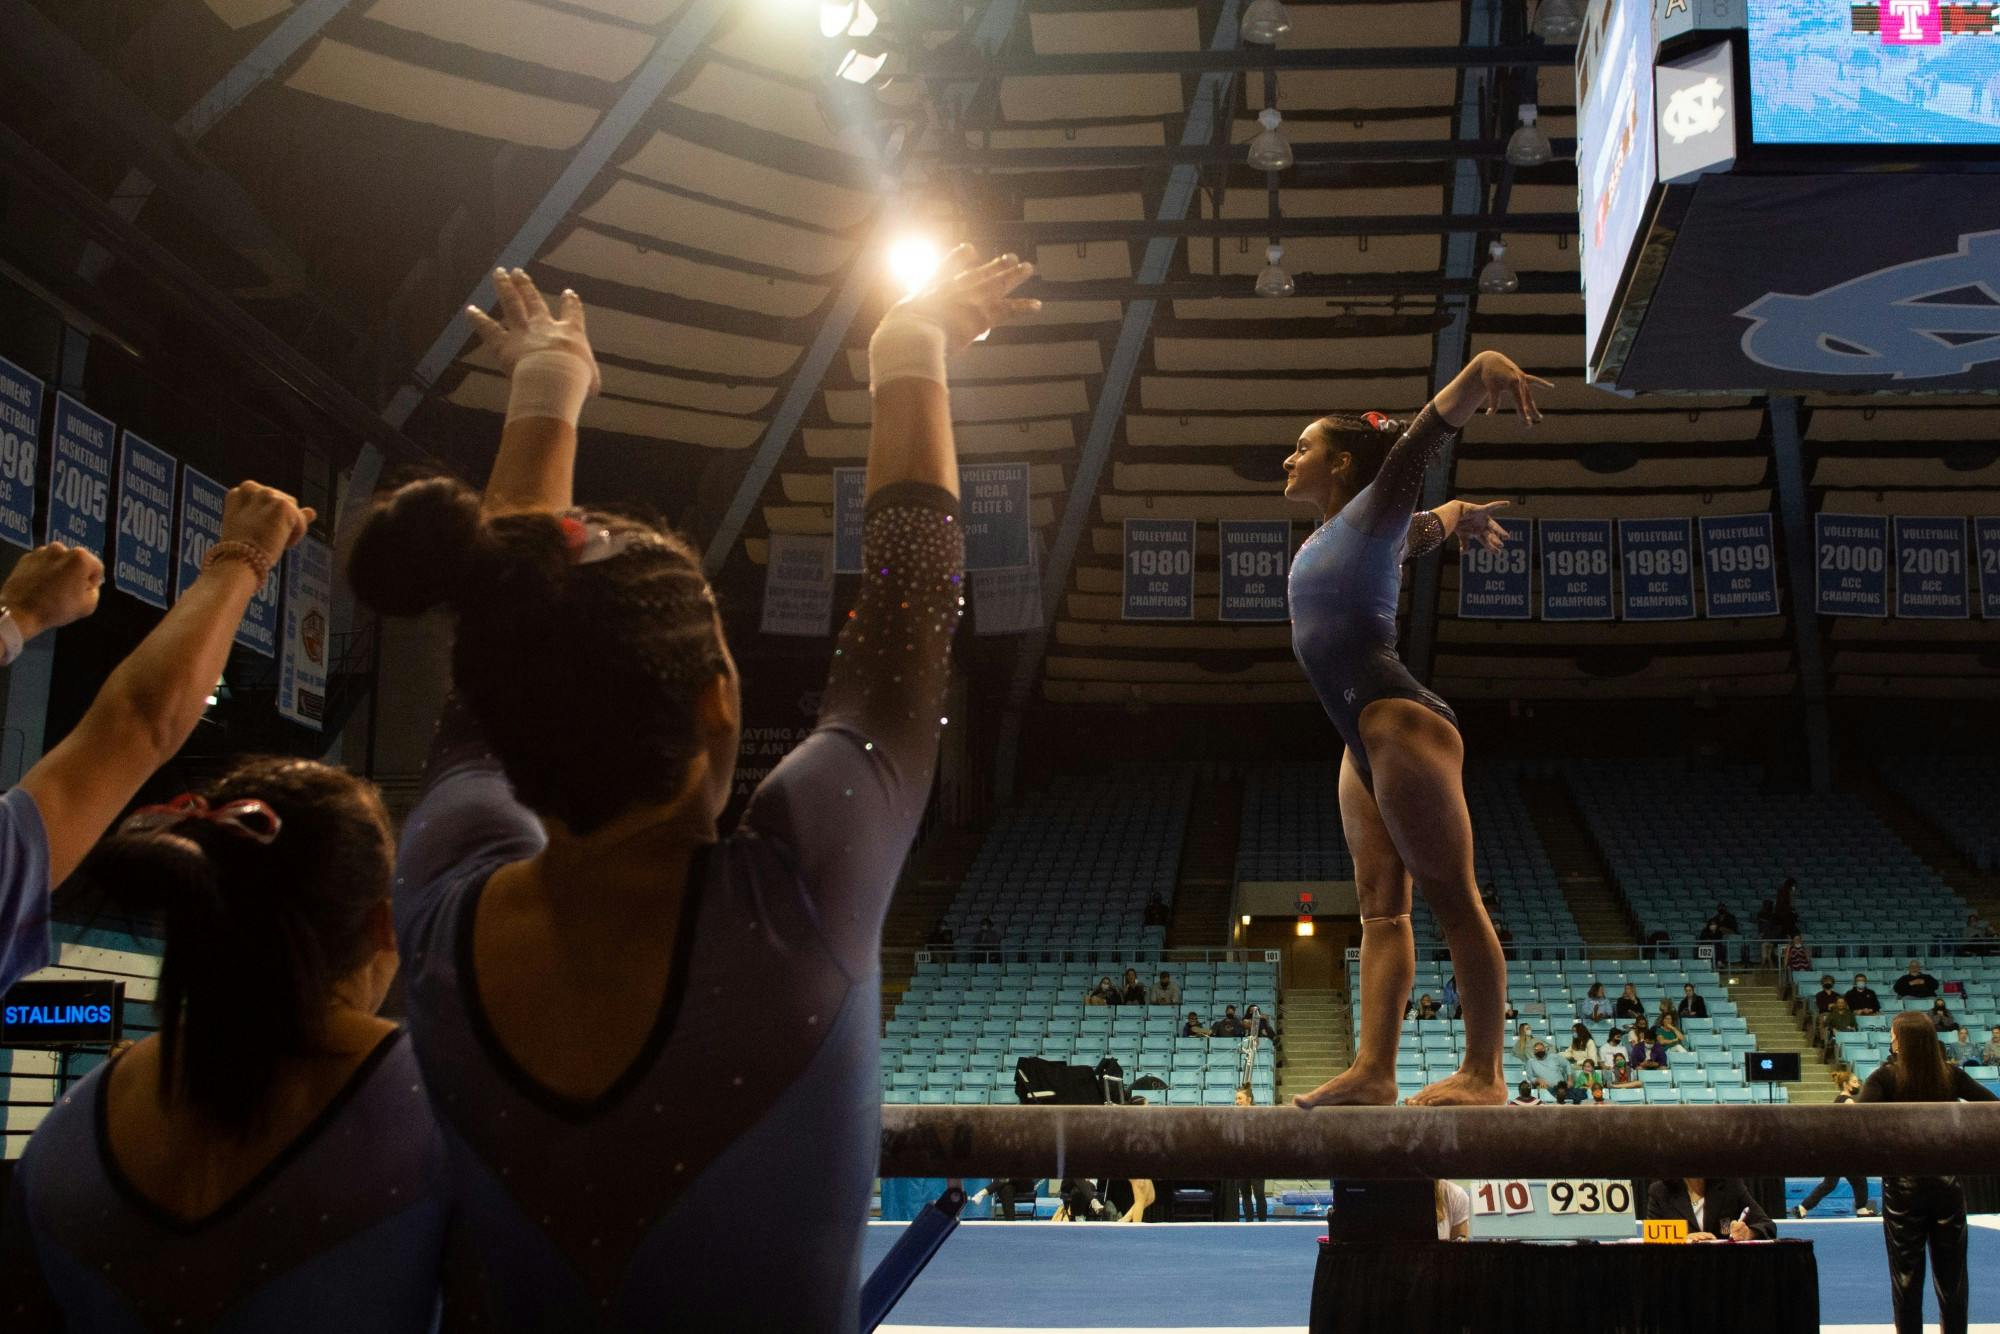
(1740, 565)
(20, 445)
(1986, 534)
(79, 476)
(1657, 558)
(1494, 585)
(1853, 561)
(141, 552)
(1930, 568)
(1159, 570)
(1256, 556)
(1576, 570)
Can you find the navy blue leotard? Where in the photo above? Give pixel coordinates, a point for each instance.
(1344, 585)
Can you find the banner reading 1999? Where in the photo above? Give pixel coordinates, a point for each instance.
(1740, 565)
(1853, 564)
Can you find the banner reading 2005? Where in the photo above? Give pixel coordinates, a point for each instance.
(79, 476)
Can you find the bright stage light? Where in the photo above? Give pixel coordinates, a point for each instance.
(1305, 926)
(914, 261)
(851, 18)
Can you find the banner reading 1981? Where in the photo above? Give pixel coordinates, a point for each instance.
(1740, 565)
(1852, 553)
(1657, 557)
(1159, 570)
(20, 446)
(140, 555)
(79, 476)
(1930, 568)
(1494, 585)
(1576, 570)
(1256, 557)
(1986, 534)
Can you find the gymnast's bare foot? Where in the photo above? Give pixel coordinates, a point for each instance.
(1356, 1088)
(1463, 1090)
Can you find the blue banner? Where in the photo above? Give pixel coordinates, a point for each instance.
(1930, 569)
(1159, 569)
(993, 505)
(1494, 585)
(140, 552)
(202, 499)
(1657, 557)
(849, 499)
(1576, 570)
(1740, 565)
(1256, 558)
(1852, 553)
(20, 449)
(1986, 535)
(306, 652)
(79, 476)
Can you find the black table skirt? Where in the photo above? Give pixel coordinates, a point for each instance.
(1473, 1287)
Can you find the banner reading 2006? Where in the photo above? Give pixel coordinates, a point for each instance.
(141, 553)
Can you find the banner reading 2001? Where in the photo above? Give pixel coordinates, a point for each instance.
(1930, 568)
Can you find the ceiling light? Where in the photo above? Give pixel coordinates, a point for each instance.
(1305, 927)
(1246, 919)
(1528, 146)
(1558, 20)
(1497, 278)
(1274, 281)
(914, 261)
(1270, 150)
(1265, 21)
(850, 19)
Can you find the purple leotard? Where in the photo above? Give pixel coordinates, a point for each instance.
(722, 1182)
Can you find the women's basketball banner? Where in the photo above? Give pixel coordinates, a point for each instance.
(202, 499)
(20, 447)
(1739, 559)
(1576, 570)
(144, 545)
(1159, 570)
(80, 476)
(1495, 585)
(1656, 557)
(1852, 553)
(1930, 569)
(302, 665)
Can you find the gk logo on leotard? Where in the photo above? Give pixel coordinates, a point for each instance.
(1697, 109)
(1348, 694)
(1920, 320)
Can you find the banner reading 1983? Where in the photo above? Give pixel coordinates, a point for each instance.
(1657, 559)
(1494, 585)
(20, 446)
(1739, 565)
(1852, 557)
(1930, 568)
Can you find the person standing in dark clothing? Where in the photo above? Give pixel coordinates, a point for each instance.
(1922, 1214)
(1850, 1089)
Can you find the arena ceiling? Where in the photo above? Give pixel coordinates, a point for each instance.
(348, 170)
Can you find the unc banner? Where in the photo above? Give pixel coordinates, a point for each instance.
(302, 666)
(202, 499)
(1657, 557)
(1256, 558)
(1852, 553)
(1159, 570)
(1576, 570)
(20, 447)
(849, 499)
(1930, 569)
(993, 507)
(1494, 585)
(1740, 565)
(79, 476)
(1987, 536)
(798, 585)
(140, 555)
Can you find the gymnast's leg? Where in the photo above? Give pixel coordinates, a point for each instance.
(1417, 757)
(1388, 953)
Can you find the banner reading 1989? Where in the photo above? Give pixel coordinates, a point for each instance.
(1852, 553)
(1986, 537)
(20, 445)
(1930, 568)
(1494, 585)
(140, 554)
(1159, 570)
(79, 476)
(1576, 570)
(1256, 557)
(1740, 565)
(1657, 557)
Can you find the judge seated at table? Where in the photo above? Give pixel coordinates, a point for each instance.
(1712, 1208)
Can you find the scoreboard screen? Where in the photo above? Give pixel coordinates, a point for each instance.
(1918, 72)
(1614, 146)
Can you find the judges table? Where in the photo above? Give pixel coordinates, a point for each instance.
(1472, 1287)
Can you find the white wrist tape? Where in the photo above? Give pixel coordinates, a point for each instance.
(549, 383)
(905, 347)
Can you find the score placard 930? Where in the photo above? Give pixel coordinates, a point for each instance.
(1590, 1197)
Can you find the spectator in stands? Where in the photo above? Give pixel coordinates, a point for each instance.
(1164, 991)
(1156, 911)
(1256, 1025)
(1916, 984)
(1941, 1018)
(1785, 912)
(1628, 1005)
(1990, 1053)
(1104, 993)
(1725, 920)
(1692, 1005)
(1512, 1013)
(1621, 1076)
(1524, 1095)
(1713, 1209)
(1710, 933)
(1134, 991)
(1544, 1070)
(1613, 1047)
(941, 940)
(1454, 1210)
(1667, 1031)
(1594, 1006)
(1448, 1003)
(1826, 995)
(1426, 1007)
(1591, 1080)
(1194, 1028)
(1861, 999)
(1524, 1042)
(1649, 1053)
(1849, 1089)
(1797, 957)
(1229, 1026)
(988, 941)
(1837, 1019)
(1920, 1213)
(1580, 1048)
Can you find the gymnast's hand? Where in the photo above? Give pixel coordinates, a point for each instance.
(529, 334)
(1500, 382)
(970, 301)
(1475, 523)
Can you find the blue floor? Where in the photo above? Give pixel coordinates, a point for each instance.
(1259, 1276)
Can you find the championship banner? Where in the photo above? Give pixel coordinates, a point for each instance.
(993, 509)
(1930, 569)
(798, 585)
(1986, 533)
(1159, 570)
(202, 499)
(1740, 565)
(79, 476)
(849, 500)
(1853, 561)
(20, 448)
(141, 551)
(302, 665)
(1657, 556)
(1008, 602)
(1256, 558)
(1495, 585)
(1576, 570)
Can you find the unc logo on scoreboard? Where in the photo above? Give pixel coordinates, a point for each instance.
(1694, 111)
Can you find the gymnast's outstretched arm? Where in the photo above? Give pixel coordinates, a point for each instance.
(1468, 520)
(546, 356)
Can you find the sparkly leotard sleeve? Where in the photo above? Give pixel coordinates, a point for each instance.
(1345, 582)
(673, 1199)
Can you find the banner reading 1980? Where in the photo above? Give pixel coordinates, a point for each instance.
(1657, 557)
(1159, 570)
(1852, 553)
(79, 476)
(1930, 568)
(141, 553)
(20, 446)
(1740, 565)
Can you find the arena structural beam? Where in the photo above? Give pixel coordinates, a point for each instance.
(1794, 511)
(1310, 285)
(1182, 185)
(969, 158)
(1485, 55)
(1386, 224)
(1401, 1143)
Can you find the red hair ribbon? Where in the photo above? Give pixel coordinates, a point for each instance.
(1380, 421)
(248, 818)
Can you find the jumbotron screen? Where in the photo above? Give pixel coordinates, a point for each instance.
(1615, 146)
(1894, 72)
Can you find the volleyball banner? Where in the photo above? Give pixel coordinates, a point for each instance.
(1853, 563)
(1159, 570)
(1256, 558)
(1576, 570)
(302, 665)
(1930, 569)
(1986, 535)
(20, 448)
(79, 476)
(1657, 558)
(798, 585)
(1739, 557)
(993, 509)
(1495, 585)
(142, 550)
(849, 502)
